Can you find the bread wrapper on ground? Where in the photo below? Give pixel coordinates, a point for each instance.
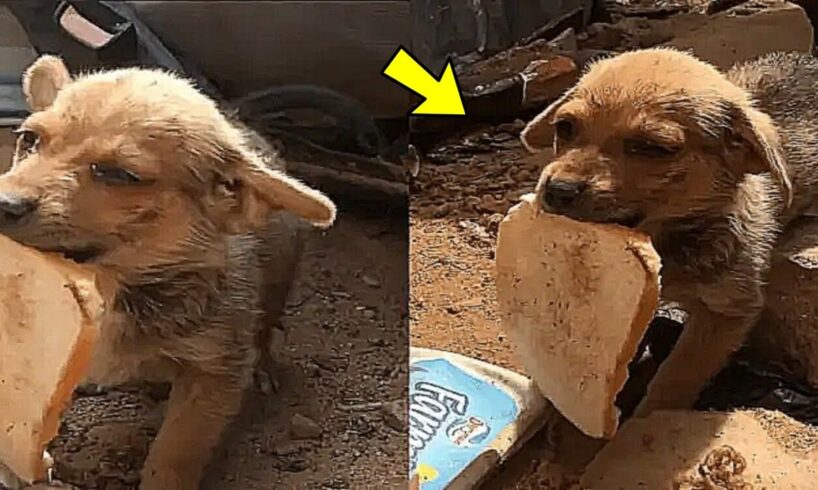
(576, 299)
(48, 313)
(694, 450)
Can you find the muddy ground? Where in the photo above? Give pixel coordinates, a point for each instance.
(344, 348)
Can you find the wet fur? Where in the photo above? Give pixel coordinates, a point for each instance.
(200, 261)
(715, 210)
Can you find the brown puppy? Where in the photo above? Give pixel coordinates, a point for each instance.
(711, 165)
(136, 173)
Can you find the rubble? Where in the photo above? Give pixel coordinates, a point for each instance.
(743, 32)
(699, 450)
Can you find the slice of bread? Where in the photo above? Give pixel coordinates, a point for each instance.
(48, 312)
(576, 300)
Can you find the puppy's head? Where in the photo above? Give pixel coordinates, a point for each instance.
(136, 170)
(652, 136)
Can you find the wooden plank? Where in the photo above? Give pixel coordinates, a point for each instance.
(245, 46)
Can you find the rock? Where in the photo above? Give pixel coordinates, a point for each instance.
(719, 32)
(787, 333)
(394, 415)
(302, 427)
(496, 86)
(743, 32)
(548, 79)
(696, 450)
(371, 281)
(604, 36)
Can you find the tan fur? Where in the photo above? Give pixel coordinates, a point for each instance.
(201, 251)
(711, 165)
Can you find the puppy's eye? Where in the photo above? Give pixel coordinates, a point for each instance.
(110, 174)
(648, 149)
(565, 129)
(28, 140)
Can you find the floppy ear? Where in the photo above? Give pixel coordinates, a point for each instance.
(260, 191)
(43, 79)
(539, 133)
(758, 131)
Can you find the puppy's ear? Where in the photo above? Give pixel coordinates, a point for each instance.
(43, 79)
(260, 191)
(539, 133)
(758, 131)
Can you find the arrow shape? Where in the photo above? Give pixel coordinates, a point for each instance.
(442, 96)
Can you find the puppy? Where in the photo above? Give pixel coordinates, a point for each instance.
(710, 165)
(138, 175)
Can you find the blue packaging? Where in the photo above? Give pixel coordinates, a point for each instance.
(454, 416)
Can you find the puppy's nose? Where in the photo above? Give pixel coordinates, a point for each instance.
(14, 207)
(562, 193)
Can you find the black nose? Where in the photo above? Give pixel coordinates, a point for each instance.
(14, 207)
(562, 193)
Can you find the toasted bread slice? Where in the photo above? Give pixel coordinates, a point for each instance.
(576, 299)
(48, 310)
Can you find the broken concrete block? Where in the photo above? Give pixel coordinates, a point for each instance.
(736, 33)
(48, 309)
(786, 333)
(546, 80)
(575, 299)
(744, 32)
(698, 450)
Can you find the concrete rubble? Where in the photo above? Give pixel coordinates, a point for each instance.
(698, 450)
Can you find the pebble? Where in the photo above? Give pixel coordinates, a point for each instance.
(371, 281)
(302, 427)
(394, 415)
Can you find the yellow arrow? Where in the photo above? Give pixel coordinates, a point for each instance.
(442, 95)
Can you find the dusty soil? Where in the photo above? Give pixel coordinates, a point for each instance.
(464, 188)
(344, 348)
(461, 193)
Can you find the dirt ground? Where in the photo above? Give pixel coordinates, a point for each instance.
(344, 348)
(464, 188)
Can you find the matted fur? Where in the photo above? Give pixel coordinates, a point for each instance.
(737, 161)
(201, 250)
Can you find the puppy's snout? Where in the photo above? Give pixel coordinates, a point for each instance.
(561, 194)
(14, 207)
